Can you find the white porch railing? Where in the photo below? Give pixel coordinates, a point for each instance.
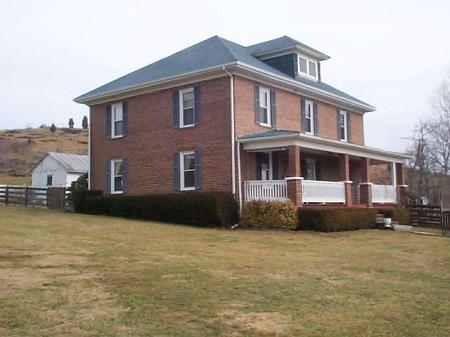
(384, 194)
(268, 190)
(323, 191)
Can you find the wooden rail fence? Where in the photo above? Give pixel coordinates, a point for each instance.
(53, 197)
(446, 223)
(426, 215)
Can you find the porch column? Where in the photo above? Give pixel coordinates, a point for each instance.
(400, 182)
(366, 185)
(293, 179)
(345, 176)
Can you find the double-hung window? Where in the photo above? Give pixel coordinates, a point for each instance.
(309, 117)
(117, 120)
(343, 125)
(116, 176)
(307, 67)
(187, 107)
(187, 170)
(264, 106)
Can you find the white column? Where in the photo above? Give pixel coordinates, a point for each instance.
(394, 174)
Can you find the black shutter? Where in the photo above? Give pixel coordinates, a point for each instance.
(125, 117)
(319, 75)
(198, 169)
(316, 123)
(349, 127)
(176, 171)
(176, 108)
(275, 165)
(107, 177)
(303, 115)
(197, 111)
(257, 109)
(273, 109)
(108, 121)
(338, 122)
(125, 175)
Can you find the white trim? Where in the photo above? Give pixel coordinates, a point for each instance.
(265, 91)
(237, 67)
(289, 50)
(322, 144)
(113, 176)
(182, 170)
(308, 70)
(346, 116)
(89, 149)
(181, 107)
(310, 104)
(394, 173)
(293, 178)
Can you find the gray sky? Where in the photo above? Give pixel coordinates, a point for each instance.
(392, 54)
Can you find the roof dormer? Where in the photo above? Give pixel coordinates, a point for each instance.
(290, 57)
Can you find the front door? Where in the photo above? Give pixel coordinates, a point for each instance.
(264, 166)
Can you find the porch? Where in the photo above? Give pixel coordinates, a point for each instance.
(311, 175)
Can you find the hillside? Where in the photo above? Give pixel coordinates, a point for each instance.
(21, 149)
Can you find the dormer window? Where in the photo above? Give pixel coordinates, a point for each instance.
(307, 67)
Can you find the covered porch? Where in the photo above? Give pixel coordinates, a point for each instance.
(312, 171)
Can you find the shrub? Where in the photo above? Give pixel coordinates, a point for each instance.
(78, 198)
(336, 219)
(401, 215)
(269, 215)
(204, 209)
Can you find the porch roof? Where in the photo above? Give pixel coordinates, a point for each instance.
(282, 138)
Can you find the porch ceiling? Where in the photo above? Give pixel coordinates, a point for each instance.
(283, 138)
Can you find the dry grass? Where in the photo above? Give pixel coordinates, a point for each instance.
(21, 149)
(65, 274)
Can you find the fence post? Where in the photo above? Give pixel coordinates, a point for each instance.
(26, 195)
(6, 194)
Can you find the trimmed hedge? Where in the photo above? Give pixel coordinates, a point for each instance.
(78, 197)
(204, 209)
(402, 215)
(269, 215)
(336, 219)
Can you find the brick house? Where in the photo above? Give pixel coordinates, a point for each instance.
(256, 121)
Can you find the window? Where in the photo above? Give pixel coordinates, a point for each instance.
(117, 120)
(343, 125)
(307, 67)
(187, 107)
(187, 170)
(264, 106)
(116, 176)
(49, 180)
(309, 117)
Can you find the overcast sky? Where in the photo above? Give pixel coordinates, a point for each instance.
(391, 54)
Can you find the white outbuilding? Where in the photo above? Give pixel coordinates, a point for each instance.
(59, 170)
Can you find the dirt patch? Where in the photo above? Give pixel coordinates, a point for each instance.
(262, 322)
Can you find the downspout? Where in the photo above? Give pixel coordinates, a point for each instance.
(89, 148)
(233, 153)
(238, 145)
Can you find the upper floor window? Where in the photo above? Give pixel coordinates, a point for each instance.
(49, 180)
(187, 107)
(117, 120)
(117, 176)
(307, 67)
(309, 117)
(343, 125)
(264, 106)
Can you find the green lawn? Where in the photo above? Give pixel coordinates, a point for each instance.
(65, 274)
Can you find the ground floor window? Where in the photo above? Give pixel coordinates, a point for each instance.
(309, 169)
(117, 176)
(187, 170)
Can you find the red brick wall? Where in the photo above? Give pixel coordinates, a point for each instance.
(288, 113)
(152, 141)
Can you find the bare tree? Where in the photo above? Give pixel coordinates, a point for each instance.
(439, 128)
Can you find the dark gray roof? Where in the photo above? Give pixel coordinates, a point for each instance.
(270, 133)
(213, 52)
(283, 42)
